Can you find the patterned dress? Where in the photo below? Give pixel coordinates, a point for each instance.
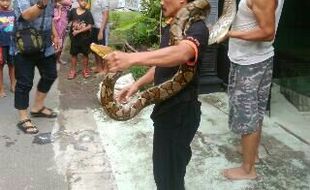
(60, 18)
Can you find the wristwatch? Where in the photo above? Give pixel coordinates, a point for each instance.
(40, 4)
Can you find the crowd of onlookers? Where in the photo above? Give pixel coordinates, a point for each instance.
(84, 21)
(87, 23)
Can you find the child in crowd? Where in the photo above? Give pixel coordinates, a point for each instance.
(7, 18)
(61, 21)
(81, 23)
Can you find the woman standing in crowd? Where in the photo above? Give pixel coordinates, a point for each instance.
(61, 21)
(30, 13)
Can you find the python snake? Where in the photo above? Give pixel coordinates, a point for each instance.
(193, 11)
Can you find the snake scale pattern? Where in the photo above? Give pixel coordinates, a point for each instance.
(193, 11)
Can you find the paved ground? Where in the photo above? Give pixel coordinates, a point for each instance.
(90, 151)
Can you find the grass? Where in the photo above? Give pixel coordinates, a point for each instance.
(138, 71)
(120, 19)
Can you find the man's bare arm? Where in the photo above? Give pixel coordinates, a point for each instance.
(33, 12)
(164, 57)
(55, 37)
(147, 78)
(264, 11)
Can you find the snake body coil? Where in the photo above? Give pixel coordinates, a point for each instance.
(192, 12)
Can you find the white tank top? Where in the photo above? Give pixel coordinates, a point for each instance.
(245, 52)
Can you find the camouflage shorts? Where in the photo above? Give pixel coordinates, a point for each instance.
(248, 91)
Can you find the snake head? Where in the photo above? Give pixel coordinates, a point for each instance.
(101, 50)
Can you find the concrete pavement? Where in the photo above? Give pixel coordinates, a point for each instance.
(90, 151)
(23, 164)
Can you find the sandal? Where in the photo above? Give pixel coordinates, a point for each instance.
(71, 75)
(40, 113)
(27, 129)
(86, 73)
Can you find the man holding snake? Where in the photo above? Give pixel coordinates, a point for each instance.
(176, 119)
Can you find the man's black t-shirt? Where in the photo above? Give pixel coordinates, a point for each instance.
(197, 32)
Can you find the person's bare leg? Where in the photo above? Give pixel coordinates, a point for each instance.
(85, 62)
(23, 114)
(58, 58)
(39, 103)
(105, 67)
(257, 160)
(72, 72)
(104, 70)
(2, 93)
(12, 78)
(99, 66)
(247, 169)
(240, 151)
(86, 71)
(73, 63)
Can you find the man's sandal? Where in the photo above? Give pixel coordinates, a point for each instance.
(27, 129)
(40, 113)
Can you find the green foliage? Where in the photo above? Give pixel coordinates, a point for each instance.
(121, 21)
(122, 18)
(147, 28)
(114, 17)
(141, 29)
(144, 32)
(151, 8)
(138, 71)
